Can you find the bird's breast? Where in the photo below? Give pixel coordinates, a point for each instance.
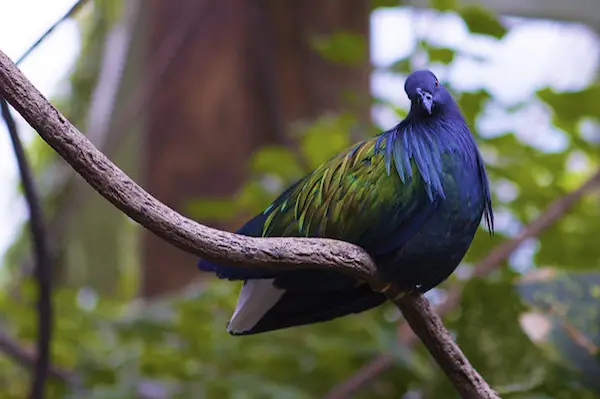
(433, 253)
(464, 193)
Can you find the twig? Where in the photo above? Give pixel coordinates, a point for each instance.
(580, 339)
(27, 359)
(577, 336)
(546, 219)
(39, 237)
(67, 15)
(220, 246)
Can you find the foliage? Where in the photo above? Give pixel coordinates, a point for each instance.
(179, 345)
(182, 340)
(341, 47)
(480, 20)
(566, 305)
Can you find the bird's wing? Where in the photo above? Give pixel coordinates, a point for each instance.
(354, 197)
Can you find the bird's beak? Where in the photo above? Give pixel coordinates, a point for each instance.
(426, 100)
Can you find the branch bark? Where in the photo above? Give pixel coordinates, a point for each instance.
(114, 185)
(43, 270)
(545, 220)
(428, 326)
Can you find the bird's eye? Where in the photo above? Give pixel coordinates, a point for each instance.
(437, 83)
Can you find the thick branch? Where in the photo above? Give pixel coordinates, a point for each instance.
(545, 220)
(215, 245)
(43, 270)
(122, 192)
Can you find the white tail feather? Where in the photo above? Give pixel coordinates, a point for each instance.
(255, 300)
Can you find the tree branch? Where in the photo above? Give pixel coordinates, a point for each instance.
(27, 359)
(220, 246)
(70, 13)
(43, 265)
(428, 326)
(114, 185)
(546, 219)
(100, 132)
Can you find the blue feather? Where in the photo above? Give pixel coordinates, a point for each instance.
(412, 198)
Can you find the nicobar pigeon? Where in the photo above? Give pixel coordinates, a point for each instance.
(412, 197)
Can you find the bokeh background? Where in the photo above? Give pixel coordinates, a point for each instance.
(215, 106)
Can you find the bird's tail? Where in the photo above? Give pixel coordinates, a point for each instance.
(264, 307)
(272, 300)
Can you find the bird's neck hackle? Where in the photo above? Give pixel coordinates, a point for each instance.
(417, 144)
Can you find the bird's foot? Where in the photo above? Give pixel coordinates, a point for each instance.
(384, 288)
(399, 295)
(393, 292)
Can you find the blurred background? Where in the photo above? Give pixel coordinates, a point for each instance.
(215, 106)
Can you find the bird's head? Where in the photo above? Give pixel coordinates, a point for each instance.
(427, 95)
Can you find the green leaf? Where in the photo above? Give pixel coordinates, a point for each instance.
(401, 66)
(440, 55)
(276, 160)
(570, 107)
(384, 3)
(567, 243)
(472, 103)
(481, 20)
(341, 47)
(327, 136)
(211, 209)
(443, 5)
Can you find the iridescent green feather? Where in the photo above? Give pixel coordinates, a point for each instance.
(344, 196)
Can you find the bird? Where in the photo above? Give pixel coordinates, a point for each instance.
(412, 197)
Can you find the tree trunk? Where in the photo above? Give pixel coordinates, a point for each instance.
(239, 71)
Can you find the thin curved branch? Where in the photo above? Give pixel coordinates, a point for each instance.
(546, 219)
(12, 348)
(43, 270)
(26, 359)
(220, 246)
(71, 12)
